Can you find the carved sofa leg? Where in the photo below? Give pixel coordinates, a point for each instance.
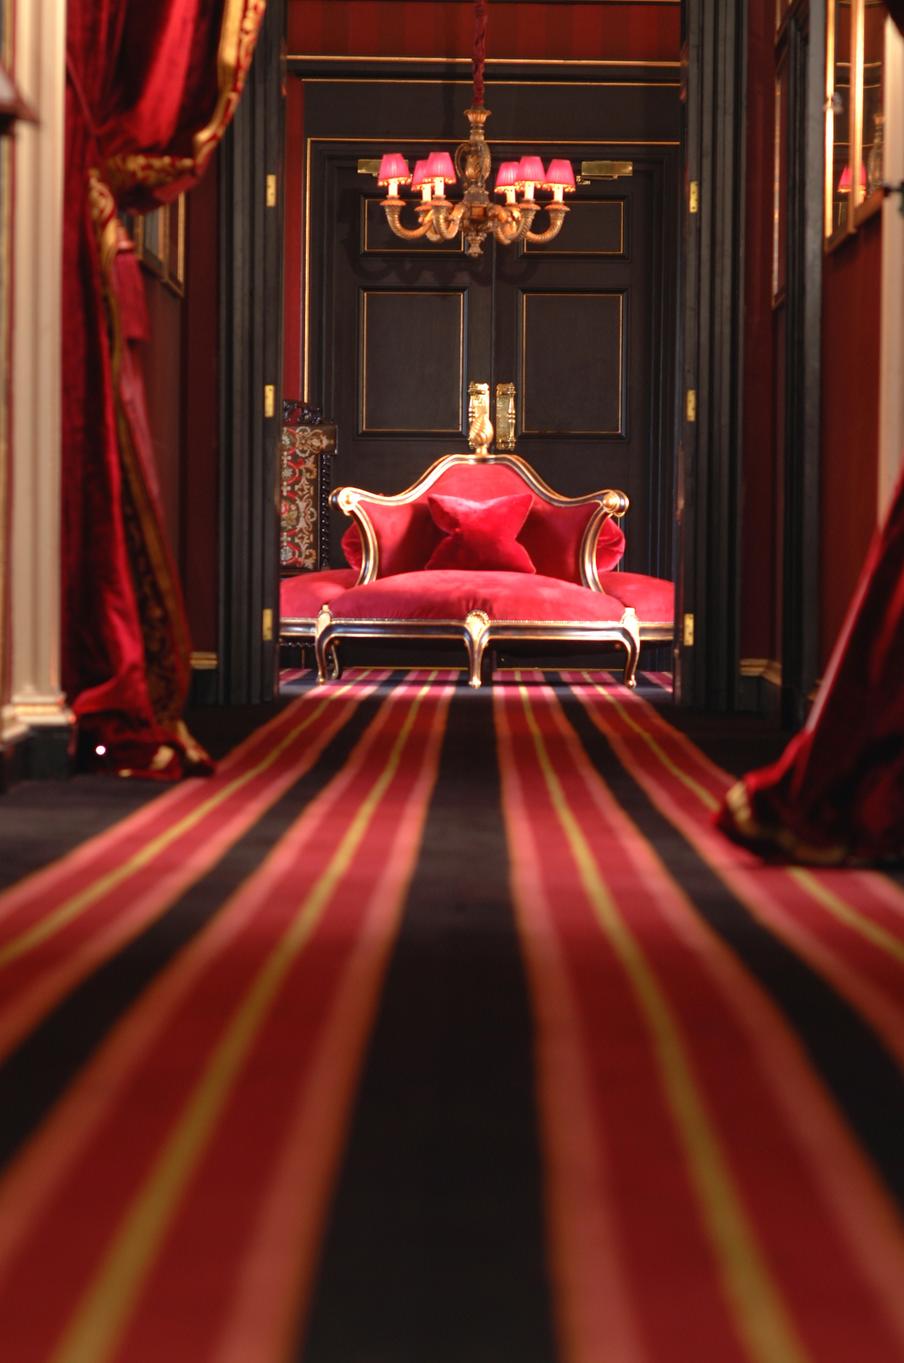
(326, 655)
(477, 636)
(632, 645)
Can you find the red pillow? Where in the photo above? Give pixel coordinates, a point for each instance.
(351, 547)
(481, 534)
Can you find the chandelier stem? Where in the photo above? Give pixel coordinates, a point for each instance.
(478, 61)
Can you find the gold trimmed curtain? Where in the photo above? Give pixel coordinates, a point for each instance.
(151, 90)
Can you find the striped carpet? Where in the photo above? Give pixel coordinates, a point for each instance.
(441, 1026)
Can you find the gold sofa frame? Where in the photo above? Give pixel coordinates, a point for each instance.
(478, 631)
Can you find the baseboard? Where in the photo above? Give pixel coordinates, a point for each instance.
(205, 678)
(760, 688)
(43, 753)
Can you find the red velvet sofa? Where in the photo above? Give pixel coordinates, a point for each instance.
(480, 550)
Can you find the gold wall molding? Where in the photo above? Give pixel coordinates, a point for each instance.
(766, 669)
(203, 661)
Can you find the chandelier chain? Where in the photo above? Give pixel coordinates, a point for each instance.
(480, 48)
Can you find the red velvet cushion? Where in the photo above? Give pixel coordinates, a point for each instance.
(551, 535)
(301, 597)
(351, 547)
(406, 535)
(480, 534)
(653, 598)
(610, 545)
(450, 594)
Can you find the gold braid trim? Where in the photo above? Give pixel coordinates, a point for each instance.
(239, 31)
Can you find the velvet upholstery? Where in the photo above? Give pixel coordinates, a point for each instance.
(837, 792)
(552, 534)
(451, 594)
(653, 598)
(480, 534)
(351, 547)
(301, 596)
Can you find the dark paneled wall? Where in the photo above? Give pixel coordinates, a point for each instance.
(761, 523)
(850, 418)
(200, 484)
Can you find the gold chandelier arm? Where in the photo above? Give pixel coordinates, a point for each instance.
(446, 220)
(556, 213)
(393, 210)
(512, 224)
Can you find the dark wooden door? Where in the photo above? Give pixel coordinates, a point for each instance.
(585, 327)
(580, 330)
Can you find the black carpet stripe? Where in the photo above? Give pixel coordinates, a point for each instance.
(434, 1251)
(34, 1076)
(864, 1078)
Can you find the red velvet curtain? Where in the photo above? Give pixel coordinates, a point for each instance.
(151, 88)
(837, 792)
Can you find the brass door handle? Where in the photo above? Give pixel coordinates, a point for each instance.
(505, 416)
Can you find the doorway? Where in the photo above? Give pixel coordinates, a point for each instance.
(584, 327)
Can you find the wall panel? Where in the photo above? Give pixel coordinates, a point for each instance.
(551, 32)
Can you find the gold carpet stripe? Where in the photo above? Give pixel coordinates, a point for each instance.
(77, 904)
(703, 795)
(761, 1317)
(107, 1302)
(847, 914)
(841, 909)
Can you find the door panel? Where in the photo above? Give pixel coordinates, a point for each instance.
(584, 327)
(580, 331)
(411, 361)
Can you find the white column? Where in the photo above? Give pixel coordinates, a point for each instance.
(36, 699)
(891, 361)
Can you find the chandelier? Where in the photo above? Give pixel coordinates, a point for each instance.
(475, 215)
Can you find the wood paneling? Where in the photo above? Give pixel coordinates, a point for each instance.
(412, 361)
(199, 538)
(850, 418)
(548, 32)
(569, 388)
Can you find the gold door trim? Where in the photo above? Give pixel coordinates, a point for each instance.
(505, 416)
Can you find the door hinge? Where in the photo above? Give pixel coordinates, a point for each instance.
(694, 197)
(690, 407)
(687, 633)
(269, 400)
(271, 191)
(267, 625)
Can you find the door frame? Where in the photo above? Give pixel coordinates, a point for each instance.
(708, 492)
(659, 140)
(708, 349)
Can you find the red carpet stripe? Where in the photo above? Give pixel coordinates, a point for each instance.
(62, 923)
(180, 1084)
(727, 1085)
(663, 679)
(848, 925)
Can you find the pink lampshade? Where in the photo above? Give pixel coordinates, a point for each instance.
(530, 171)
(844, 181)
(506, 176)
(439, 167)
(420, 173)
(559, 173)
(393, 167)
